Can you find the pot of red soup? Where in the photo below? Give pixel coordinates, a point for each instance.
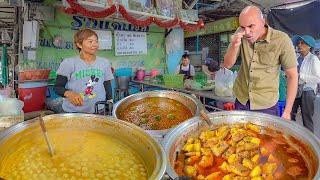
(157, 111)
(85, 147)
(242, 145)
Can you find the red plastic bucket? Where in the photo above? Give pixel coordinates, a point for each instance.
(33, 94)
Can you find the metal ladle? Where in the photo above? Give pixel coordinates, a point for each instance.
(204, 116)
(203, 112)
(46, 136)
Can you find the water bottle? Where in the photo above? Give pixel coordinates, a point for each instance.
(316, 113)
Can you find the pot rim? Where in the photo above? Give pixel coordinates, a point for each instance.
(156, 92)
(297, 131)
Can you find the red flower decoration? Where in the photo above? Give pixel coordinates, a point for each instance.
(132, 20)
(77, 8)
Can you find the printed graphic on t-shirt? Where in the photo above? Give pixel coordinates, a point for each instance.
(88, 92)
(89, 72)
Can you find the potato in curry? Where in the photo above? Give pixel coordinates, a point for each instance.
(241, 152)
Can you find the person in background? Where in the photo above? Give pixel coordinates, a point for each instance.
(210, 68)
(317, 53)
(309, 76)
(185, 67)
(262, 49)
(85, 79)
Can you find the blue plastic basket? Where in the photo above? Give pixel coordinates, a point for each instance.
(123, 72)
(281, 106)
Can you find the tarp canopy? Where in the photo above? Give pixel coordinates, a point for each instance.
(300, 20)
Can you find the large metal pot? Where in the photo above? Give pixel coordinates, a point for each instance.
(308, 144)
(192, 103)
(143, 144)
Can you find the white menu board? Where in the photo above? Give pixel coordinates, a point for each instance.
(104, 39)
(130, 43)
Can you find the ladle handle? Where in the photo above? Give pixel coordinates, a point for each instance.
(204, 116)
(42, 125)
(45, 133)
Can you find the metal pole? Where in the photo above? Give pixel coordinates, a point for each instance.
(197, 40)
(4, 65)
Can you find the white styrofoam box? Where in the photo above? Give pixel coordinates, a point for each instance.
(30, 34)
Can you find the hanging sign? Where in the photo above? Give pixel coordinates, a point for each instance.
(222, 25)
(130, 43)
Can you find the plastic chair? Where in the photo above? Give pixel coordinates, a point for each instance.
(122, 87)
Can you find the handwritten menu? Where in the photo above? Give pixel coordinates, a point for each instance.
(130, 43)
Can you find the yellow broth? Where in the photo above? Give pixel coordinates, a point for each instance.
(156, 113)
(79, 154)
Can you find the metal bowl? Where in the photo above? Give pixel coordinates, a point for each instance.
(149, 150)
(308, 143)
(193, 105)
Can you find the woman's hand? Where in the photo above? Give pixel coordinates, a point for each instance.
(74, 98)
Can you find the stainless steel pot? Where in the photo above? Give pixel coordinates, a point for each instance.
(309, 145)
(149, 150)
(191, 103)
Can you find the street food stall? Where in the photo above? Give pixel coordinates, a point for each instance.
(154, 125)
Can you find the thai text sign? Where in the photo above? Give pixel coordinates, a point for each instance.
(130, 43)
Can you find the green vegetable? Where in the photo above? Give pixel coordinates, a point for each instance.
(143, 120)
(171, 117)
(157, 117)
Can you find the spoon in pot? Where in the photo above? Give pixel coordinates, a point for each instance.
(204, 116)
(46, 137)
(203, 112)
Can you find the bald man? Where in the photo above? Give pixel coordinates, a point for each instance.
(263, 50)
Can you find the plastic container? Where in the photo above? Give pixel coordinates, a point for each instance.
(123, 72)
(140, 74)
(10, 107)
(173, 80)
(33, 94)
(37, 74)
(281, 106)
(201, 78)
(123, 82)
(228, 106)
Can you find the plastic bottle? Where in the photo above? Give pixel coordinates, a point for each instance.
(316, 113)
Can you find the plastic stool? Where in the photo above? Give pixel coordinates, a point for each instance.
(228, 106)
(119, 92)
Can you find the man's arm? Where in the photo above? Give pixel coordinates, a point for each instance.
(233, 50)
(292, 86)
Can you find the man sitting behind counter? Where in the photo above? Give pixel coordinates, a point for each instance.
(185, 67)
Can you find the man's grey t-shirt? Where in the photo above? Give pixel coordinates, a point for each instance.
(86, 79)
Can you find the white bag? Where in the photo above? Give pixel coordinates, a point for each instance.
(224, 81)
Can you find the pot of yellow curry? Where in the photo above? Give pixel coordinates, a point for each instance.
(85, 147)
(242, 145)
(157, 111)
